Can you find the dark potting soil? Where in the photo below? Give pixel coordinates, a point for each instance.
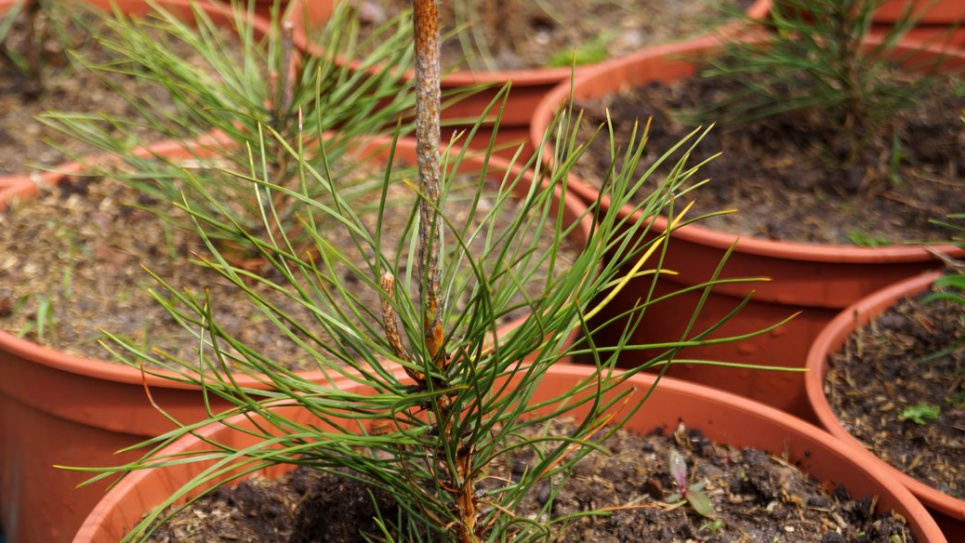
(780, 173)
(71, 258)
(515, 34)
(66, 86)
(757, 497)
(889, 367)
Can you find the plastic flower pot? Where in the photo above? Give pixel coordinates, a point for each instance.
(939, 22)
(815, 280)
(723, 417)
(61, 409)
(948, 511)
(16, 185)
(54, 406)
(927, 12)
(529, 86)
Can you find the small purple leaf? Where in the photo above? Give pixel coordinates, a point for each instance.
(678, 470)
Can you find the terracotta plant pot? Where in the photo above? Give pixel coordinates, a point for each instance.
(529, 86)
(62, 409)
(54, 406)
(220, 12)
(948, 511)
(722, 417)
(815, 280)
(939, 21)
(928, 12)
(15, 186)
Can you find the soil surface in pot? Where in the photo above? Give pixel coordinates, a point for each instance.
(891, 374)
(71, 258)
(780, 174)
(756, 497)
(519, 34)
(66, 86)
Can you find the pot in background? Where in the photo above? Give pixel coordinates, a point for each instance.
(927, 12)
(54, 406)
(948, 511)
(529, 86)
(67, 410)
(816, 281)
(939, 21)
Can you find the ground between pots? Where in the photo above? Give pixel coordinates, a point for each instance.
(780, 173)
(757, 497)
(519, 34)
(71, 266)
(889, 367)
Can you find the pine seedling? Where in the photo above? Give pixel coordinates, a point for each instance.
(444, 391)
(815, 56)
(29, 62)
(238, 85)
(30, 57)
(921, 414)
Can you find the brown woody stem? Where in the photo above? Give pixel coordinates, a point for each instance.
(287, 78)
(34, 49)
(426, 23)
(283, 102)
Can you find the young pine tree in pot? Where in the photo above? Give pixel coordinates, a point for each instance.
(234, 84)
(443, 390)
(240, 88)
(853, 104)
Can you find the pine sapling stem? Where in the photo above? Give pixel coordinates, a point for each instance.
(427, 81)
(285, 95)
(426, 24)
(283, 101)
(34, 44)
(287, 83)
(848, 69)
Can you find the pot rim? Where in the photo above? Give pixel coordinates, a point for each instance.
(520, 77)
(546, 110)
(122, 373)
(831, 337)
(919, 519)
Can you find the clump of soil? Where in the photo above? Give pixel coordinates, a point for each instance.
(756, 497)
(66, 86)
(72, 260)
(890, 366)
(270, 511)
(517, 34)
(782, 174)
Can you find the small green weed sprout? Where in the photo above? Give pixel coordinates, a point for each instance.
(687, 492)
(861, 239)
(921, 414)
(590, 52)
(43, 324)
(713, 526)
